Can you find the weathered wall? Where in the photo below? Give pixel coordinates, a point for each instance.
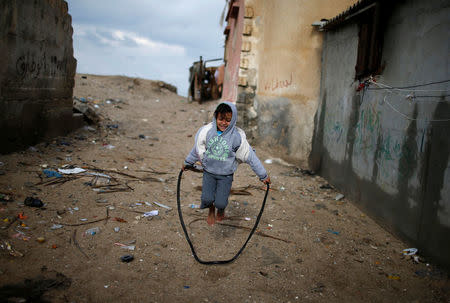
(235, 23)
(387, 152)
(37, 71)
(280, 71)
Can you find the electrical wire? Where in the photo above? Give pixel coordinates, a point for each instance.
(411, 96)
(408, 88)
(411, 118)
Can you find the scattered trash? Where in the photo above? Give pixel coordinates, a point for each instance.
(70, 171)
(51, 173)
(393, 277)
(112, 126)
(162, 205)
(124, 246)
(186, 286)
(21, 236)
(410, 251)
(151, 213)
(22, 216)
(56, 226)
(40, 239)
(89, 128)
(127, 258)
(108, 146)
(333, 232)
(83, 219)
(247, 219)
(33, 202)
(194, 206)
(92, 231)
(5, 198)
(318, 288)
(5, 245)
(142, 136)
(326, 186)
(278, 161)
(116, 229)
(119, 220)
(339, 197)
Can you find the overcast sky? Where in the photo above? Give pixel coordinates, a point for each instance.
(149, 39)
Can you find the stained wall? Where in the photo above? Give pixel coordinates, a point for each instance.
(37, 71)
(385, 149)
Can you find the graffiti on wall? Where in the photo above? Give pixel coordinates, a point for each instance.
(367, 130)
(333, 131)
(30, 66)
(275, 84)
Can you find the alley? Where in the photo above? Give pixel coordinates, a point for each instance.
(312, 244)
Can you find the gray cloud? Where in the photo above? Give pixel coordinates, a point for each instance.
(146, 38)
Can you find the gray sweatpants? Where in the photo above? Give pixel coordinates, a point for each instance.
(215, 189)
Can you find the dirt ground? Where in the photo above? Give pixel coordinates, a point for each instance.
(311, 244)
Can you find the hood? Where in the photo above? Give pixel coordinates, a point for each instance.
(233, 118)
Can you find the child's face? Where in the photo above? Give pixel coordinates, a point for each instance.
(223, 120)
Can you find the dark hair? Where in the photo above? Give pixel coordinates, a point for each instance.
(222, 109)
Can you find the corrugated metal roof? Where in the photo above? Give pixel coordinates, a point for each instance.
(352, 11)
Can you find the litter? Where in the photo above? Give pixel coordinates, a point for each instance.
(99, 175)
(278, 161)
(116, 229)
(51, 173)
(109, 146)
(339, 197)
(56, 226)
(33, 202)
(247, 219)
(151, 213)
(127, 258)
(92, 231)
(129, 247)
(393, 277)
(5, 245)
(22, 236)
(410, 251)
(333, 232)
(162, 205)
(194, 206)
(75, 170)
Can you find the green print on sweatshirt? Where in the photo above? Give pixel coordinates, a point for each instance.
(218, 149)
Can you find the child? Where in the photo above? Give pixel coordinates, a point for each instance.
(220, 146)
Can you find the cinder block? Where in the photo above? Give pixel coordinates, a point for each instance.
(248, 12)
(246, 46)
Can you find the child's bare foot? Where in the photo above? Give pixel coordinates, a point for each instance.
(220, 214)
(211, 215)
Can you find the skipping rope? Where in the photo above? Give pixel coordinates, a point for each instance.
(189, 240)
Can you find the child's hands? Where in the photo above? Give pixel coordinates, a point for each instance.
(266, 180)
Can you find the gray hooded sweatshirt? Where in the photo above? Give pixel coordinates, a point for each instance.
(221, 154)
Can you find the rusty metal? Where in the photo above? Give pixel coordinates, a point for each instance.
(202, 82)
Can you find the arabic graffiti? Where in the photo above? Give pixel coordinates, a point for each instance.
(274, 84)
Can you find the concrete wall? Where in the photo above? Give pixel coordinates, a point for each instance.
(391, 154)
(37, 71)
(279, 73)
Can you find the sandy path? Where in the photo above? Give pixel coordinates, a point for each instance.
(327, 251)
